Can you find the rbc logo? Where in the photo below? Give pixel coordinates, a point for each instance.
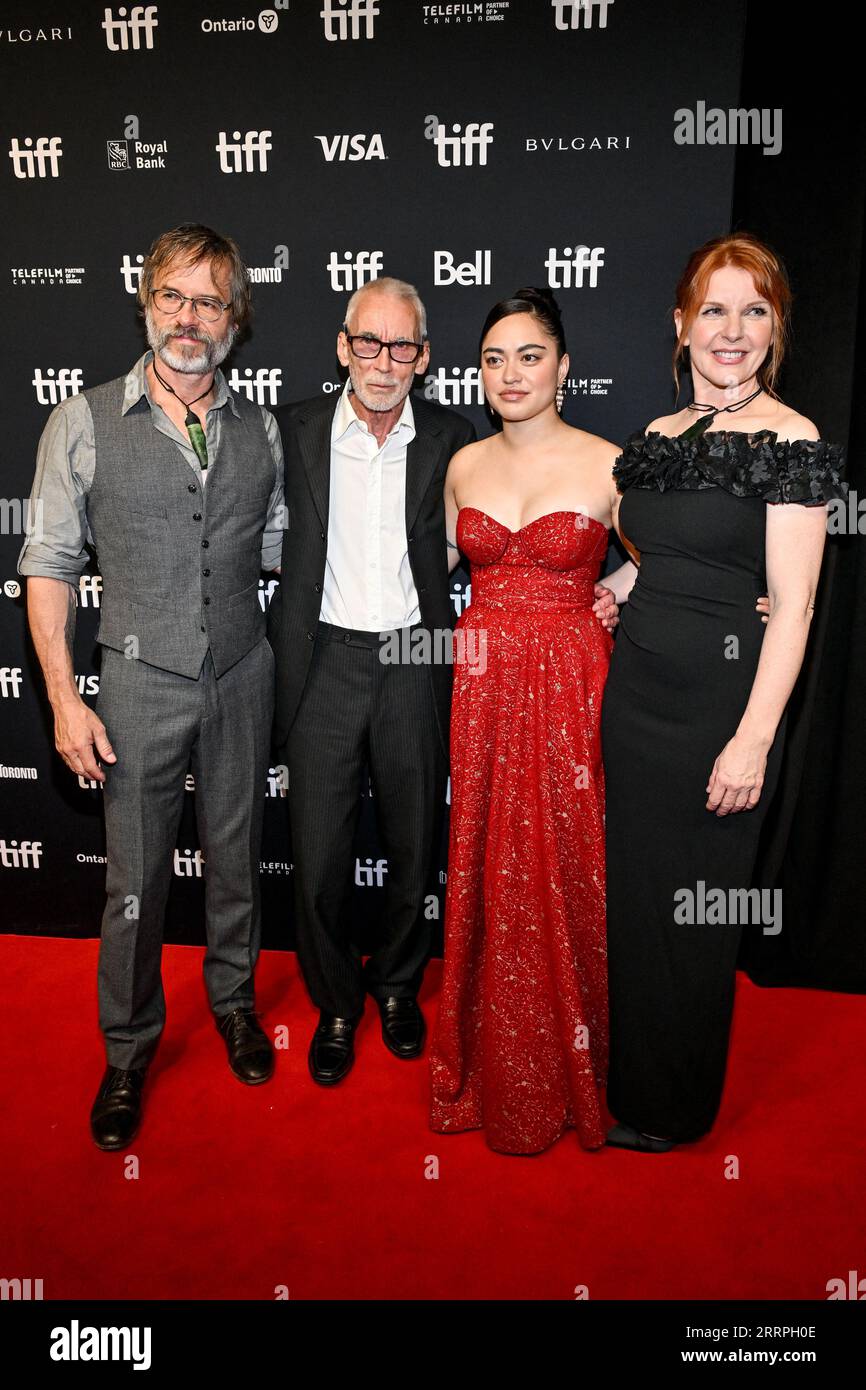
(142, 20)
(343, 19)
(238, 155)
(566, 13)
(476, 272)
(460, 146)
(566, 271)
(262, 387)
(50, 390)
(39, 161)
(356, 270)
(351, 147)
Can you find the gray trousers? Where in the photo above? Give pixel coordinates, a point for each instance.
(158, 723)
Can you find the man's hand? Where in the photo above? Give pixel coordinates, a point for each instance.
(763, 606)
(80, 736)
(606, 608)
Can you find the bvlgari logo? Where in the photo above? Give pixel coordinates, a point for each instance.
(35, 35)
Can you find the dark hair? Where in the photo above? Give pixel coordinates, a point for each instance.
(538, 302)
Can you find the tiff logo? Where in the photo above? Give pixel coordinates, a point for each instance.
(39, 162)
(50, 390)
(10, 682)
(456, 387)
(188, 863)
(565, 271)
(343, 19)
(357, 270)
(90, 590)
(142, 20)
(238, 155)
(23, 856)
(131, 273)
(261, 387)
(459, 148)
(566, 13)
(369, 875)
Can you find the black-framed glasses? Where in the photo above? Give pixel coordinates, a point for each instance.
(365, 345)
(172, 301)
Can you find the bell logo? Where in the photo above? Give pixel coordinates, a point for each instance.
(51, 389)
(459, 148)
(475, 272)
(261, 387)
(239, 155)
(351, 147)
(38, 161)
(355, 270)
(567, 13)
(344, 19)
(122, 34)
(565, 271)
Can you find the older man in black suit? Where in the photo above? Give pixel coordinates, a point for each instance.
(364, 556)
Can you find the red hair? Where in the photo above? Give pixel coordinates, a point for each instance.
(744, 250)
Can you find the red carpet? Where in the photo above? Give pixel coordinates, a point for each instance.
(243, 1189)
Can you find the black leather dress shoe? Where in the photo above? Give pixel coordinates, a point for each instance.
(116, 1112)
(332, 1050)
(403, 1026)
(251, 1056)
(627, 1137)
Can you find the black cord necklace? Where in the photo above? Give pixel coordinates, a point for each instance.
(191, 417)
(701, 426)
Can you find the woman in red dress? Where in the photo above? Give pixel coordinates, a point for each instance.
(520, 1045)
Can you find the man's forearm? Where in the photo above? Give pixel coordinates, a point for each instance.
(51, 606)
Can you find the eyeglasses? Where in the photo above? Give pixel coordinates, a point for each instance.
(365, 345)
(172, 301)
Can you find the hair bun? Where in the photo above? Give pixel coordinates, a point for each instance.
(534, 292)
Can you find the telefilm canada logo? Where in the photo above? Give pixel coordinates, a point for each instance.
(47, 275)
(468, 12)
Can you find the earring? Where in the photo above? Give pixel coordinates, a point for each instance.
(560, 397)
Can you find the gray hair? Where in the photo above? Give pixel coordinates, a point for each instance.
(400, 289)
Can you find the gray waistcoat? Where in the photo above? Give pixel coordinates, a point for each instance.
(174, 585)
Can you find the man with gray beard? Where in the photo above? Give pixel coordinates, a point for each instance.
(177, 482)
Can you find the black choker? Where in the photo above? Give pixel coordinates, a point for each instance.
(701, 426)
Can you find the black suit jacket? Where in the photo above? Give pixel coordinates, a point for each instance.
(294, 612)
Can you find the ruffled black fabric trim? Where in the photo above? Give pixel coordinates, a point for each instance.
(747, 465)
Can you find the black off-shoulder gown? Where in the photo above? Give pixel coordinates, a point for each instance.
(677, 689)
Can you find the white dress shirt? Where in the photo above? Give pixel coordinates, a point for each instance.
(368, 581)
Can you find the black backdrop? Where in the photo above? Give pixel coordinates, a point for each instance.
(559, 126)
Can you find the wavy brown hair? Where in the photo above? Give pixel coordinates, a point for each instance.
(191, 243)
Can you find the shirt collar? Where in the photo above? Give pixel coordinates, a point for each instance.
(345, 418)
(137, 386)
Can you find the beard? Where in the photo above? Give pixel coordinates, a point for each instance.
(182, 357)
(379, 400)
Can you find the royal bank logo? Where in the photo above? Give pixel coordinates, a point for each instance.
(349, 270)
(260, 385)
(132, 30)
(454, 386)
(574, 267)
(266, 23)
(47, 275)
(146, 154)
(39, 160)
(54, 386)
(349, 19)
(118, 154)
(469, 12)
(580, 14)
(245, 153)
(475, 272)
(351, 147)
(457, 145)
(131, 273)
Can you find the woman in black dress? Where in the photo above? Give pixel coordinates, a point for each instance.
(694, 708)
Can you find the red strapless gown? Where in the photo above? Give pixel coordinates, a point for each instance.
(520, 1045)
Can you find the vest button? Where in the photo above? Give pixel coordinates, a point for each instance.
(318, 588)
(206, 599)
(310, 636)
(205, 544)
(206, 573)
(322, 534)
(191, 487)
(196, 516)
(204, 629)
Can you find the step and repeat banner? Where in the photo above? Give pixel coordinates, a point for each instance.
(470, 148)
